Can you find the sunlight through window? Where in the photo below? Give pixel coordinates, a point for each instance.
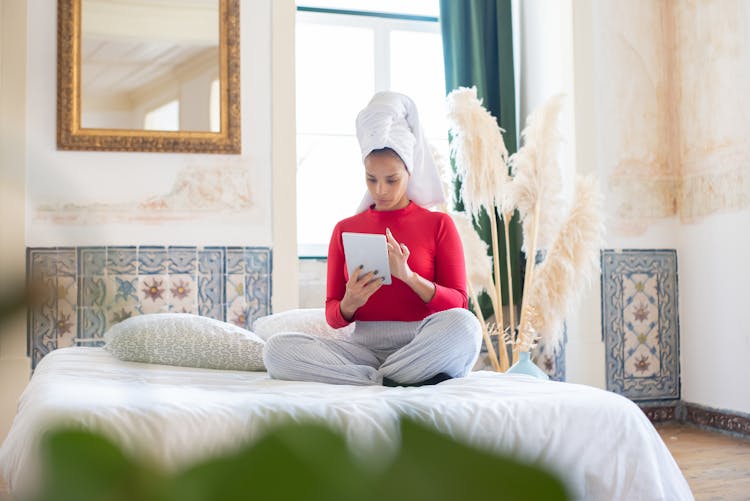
(342, 60)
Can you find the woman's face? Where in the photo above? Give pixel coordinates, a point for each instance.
(386, 177)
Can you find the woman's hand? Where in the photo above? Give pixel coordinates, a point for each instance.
(398, 255)
(358, 291)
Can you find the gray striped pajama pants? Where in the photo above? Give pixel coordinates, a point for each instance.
(405, 352)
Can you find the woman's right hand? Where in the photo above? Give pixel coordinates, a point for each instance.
(358, 291)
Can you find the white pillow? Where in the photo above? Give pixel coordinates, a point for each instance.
(185, 340)
(305, 320)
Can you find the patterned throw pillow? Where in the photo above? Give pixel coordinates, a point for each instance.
(185, 340)
(305, 320)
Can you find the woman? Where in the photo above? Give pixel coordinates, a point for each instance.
(417, 330)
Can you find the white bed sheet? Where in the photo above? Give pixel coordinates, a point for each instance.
(600, 443)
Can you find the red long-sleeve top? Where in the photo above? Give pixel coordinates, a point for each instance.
(436, 254)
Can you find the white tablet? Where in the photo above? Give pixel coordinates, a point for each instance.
(370, 251)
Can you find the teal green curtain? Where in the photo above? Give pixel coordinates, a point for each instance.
(478, 51)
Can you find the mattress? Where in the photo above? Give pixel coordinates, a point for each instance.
(600, 443)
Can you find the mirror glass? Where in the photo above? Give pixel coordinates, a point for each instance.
(149, 75)
(150, 65)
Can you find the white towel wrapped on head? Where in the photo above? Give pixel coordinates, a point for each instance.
(391, 120)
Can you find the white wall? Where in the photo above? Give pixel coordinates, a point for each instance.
(75, 198)
(629, 131)
(714, 274)
(57, 178)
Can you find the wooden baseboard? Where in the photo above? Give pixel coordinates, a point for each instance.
(729, 422)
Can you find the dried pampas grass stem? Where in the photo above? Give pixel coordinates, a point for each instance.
(485, 332)
(511, 307)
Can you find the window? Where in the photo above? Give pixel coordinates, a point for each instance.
(164, 117)
(214, 106)
(343, 58)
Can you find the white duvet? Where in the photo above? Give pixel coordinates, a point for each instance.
(600, 443)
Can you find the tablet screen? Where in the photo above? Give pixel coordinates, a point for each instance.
(370, 251)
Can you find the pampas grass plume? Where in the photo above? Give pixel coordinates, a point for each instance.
(537, 179)
(478, 263)
(571, 263)
(478, 148)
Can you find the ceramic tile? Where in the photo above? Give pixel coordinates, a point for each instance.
(93, 324)
(92, 291)
(47, 291)
(191, 308)
(238, 314)
(235, 287)
(92, 261)
(153, 292)
(258, 295)
(42, 324)
(211, 288)
(122, 289)
(65, 327)
(152, 261)
(640, 323)
(41, 264)
(123, 311)
(211, 297)
(182, 260)
(236, 261)
(211, 260)
(66, 262)
(258, 259)
(122, 260)
(67, 291)
(66, 322)
(183, 293)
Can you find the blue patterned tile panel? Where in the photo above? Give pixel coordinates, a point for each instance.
(640, 323)
(93, 288)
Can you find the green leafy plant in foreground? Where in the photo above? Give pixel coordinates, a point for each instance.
(294, 461)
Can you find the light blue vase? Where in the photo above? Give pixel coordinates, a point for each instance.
(526, 366)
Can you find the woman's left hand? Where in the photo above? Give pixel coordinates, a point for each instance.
(398, 255)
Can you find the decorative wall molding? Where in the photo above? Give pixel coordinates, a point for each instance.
(732, 422)
(88, 289)
(640, 323)
(725, 421)
(661, 413)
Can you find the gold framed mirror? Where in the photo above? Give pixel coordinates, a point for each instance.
(139, 76)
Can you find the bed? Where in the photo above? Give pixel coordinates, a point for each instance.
(600, 443)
